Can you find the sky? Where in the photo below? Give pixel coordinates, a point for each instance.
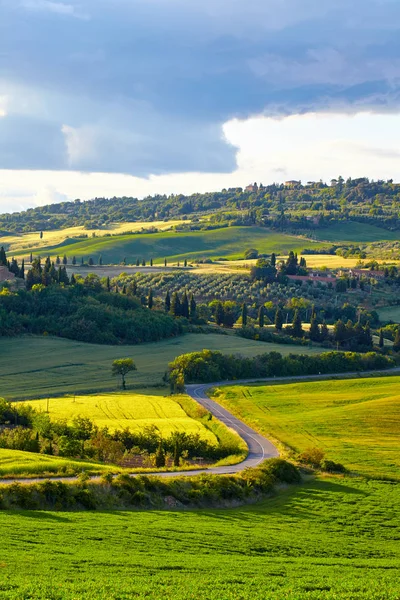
(137, 97)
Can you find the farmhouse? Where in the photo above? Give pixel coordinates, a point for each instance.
(292, 183)
(315, 277)
(358, 273)
(5, 274)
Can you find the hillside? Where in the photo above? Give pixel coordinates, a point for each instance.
(229, 242)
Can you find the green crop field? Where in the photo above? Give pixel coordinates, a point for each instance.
(356, 422)
(229, 242)
(34, 367)
(126, 410)
(349, 231)
(328, 539)
(18, 463)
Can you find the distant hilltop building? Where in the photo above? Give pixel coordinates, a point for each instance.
(5, 274)
(292, 183)
(253, 187)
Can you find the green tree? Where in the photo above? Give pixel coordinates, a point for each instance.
(185, 306)
(219, 313)
(176, 305)
(297, 329)
(261, 316)
(65, 260)
(150, 301)
(160, 456)
(396, 344)
(381, 339)
(121, 367)
(192, 308)
(314, 330)
(244, 314)
(167, 302)
(278, 319)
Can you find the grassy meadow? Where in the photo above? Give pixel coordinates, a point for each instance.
(349, 231)
(229, 242)
(26, 241)
(19, 463)
(327, 539)
(390, 313)
(356, 422)
(34, 367)
(126, 410)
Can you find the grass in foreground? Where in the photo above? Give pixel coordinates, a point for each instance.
(328, 539)
(127, 410)
(356, 422)
(34, 367)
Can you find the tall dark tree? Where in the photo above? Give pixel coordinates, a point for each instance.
(65, 260)
(30, 258)
(297, 329)
(74, 260)
(314, 332)
(100, 260)
(22, 270)
(185, 305)
(3, 257)
(58, 261)
(273, 259)
(278, 319)
(324, 332)
(176, 305)
(396, 344)
(381, 339)
(151, 262)
(192, 308)
(165, 262)
(90, 262)
(219, 313)
(167, 302)
(261, 316)
(108, 284)
(137, 262)
(150, 301)
(244, 314)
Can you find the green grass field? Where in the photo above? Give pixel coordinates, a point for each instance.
(356, 422)
(18, 463)
(349, 231)
(390, 313)
(328, 539)
(34, 367)
(127, 410)
(230, 242)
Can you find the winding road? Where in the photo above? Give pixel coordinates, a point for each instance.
(259, 447)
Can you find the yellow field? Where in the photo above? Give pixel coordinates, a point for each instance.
(16, 462)
(26, 241)
(126, 410)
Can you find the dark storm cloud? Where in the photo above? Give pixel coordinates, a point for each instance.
(144, 86)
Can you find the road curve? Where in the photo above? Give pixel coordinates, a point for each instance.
(259, 447)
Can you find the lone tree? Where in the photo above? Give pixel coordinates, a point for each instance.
(123, 366)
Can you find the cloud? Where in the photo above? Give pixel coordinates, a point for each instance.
(145, 86)
(58, 8)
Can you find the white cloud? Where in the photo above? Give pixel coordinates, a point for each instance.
(306, 147)
(59, 8)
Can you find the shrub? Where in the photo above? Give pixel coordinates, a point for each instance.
(312, 457)
(331, 467)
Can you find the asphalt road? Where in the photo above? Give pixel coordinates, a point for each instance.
(259, 447)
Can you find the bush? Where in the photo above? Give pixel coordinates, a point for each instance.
(312, 457)
(331, 467)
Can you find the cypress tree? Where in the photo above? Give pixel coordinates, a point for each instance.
(90, 262)
(100, 260)
(314, 330)
(22, 270)
(396, 344)
(137, 262)
(58, 261)
(244, 314)
(192, 308)
(74, 260)
(65, 260)
(73, 280)
(167, 302)
(82, 263)
(175, 305)
(143, 263)
(31, 258)
(151, 262)
(185, 306)
(133, 288)
(261, 316)
(150, 301)
(381, 339)
(165, 262)
(297, 330)
(273, 259)
(108, 284)
(278, 319)
(177, 455)
(160, 456)
(185, 263)
(219, 314)
(324, 333)
(124, 289)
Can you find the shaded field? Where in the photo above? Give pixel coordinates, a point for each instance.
(229, 242)
(34, 367)
(356, 422)
(17, 462)
(127, 410)
(390, 313)
(328, 539)
(349, 231)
